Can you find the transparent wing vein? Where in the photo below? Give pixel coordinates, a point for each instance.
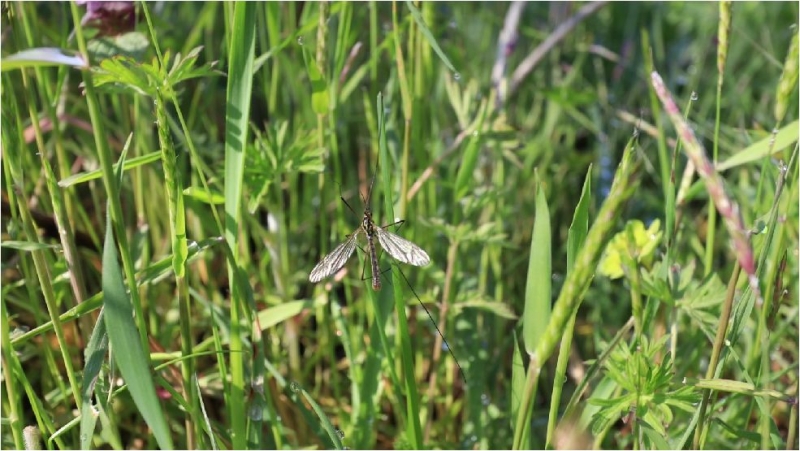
(402, 249)
(335, 260)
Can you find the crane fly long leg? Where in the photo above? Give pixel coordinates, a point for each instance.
(335, 260)
(397, 223)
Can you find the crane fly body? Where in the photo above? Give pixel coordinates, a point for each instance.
(399, 248)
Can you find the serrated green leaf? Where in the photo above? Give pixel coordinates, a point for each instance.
(183, 68)
(657, 438)
(601, 421)
(649, 417)
(123, 74)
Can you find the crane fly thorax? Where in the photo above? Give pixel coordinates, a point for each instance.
(366, 223)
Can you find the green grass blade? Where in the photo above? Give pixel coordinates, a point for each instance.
(206, 422)
(575, 238)
(95, 355)
(11, 396)
(370, 386)
(429, 36)
(356, 378)
(239, 92)
(320, 97)
(291, 390)
(517, 378)
(83, 177)
(571, 295)
(28, 246)
(128, 353)
(413, 427)
(332, 433)
(580, 221)
(272, 316)
(538, 284)
(465, 171)
(766, 147)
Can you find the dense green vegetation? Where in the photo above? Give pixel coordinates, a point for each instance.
(607, 192)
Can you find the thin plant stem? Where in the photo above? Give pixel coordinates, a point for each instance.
(716, 350)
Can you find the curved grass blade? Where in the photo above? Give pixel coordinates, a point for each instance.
(208, 429)
(766, 147)
(333, 433)
(428, 35)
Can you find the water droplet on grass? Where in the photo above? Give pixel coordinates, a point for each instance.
(256, 413)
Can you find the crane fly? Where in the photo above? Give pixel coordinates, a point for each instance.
(399, 248)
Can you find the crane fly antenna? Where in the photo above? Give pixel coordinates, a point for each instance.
(371, 185)
(348, 205)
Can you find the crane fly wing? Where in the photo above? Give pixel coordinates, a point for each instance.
(402, 249)
(335, 260)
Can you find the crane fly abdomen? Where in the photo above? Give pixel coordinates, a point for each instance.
(369, 231)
